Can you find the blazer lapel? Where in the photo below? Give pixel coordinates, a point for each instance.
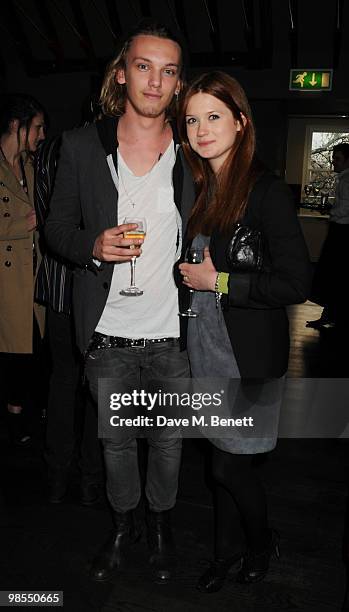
(13, 185)
(107, 134)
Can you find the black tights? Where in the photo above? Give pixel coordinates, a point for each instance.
(240, 505)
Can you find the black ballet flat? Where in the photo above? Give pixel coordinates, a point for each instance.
(214, 577)
(255, 565)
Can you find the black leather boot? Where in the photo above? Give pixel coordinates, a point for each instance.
(255, 564)
(161, 544)
(213, 579)
(112, 554)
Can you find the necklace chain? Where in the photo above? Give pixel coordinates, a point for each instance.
(157, 159)
(133, 204)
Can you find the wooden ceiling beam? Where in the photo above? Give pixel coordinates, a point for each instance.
(266, 33)
(54, 43)
(293, 31)
(338, 33)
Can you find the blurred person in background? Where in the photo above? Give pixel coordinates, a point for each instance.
(22, 128)
(71, 423)
(329, 287)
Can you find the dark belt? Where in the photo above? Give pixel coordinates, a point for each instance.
(101, 341)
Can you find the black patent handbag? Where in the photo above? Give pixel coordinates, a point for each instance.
(245, 249)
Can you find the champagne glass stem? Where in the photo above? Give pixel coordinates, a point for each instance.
(133, 272)
(191, 293)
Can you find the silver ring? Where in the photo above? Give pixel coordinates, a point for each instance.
(186, 278)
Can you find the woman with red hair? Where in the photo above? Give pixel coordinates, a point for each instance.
(241, 332)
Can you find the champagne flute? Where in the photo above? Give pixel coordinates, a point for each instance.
(135, 234)
(192, 256)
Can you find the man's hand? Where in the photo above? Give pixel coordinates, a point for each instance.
(111, 245)
(201, 277)
(31, 220)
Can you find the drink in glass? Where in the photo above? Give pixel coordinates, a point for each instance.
(134, 234)
(192, 256)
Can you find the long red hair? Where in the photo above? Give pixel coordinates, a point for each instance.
(221, 199)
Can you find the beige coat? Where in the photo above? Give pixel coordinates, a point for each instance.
(16, 264)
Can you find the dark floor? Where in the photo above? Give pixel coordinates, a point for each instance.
(48, 547)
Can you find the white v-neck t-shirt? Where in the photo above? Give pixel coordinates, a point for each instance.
(155, 313)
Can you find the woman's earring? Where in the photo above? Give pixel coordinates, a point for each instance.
(177, 94)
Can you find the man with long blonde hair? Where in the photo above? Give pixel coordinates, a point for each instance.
(129, 164)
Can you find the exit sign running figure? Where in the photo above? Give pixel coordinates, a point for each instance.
(304, 79)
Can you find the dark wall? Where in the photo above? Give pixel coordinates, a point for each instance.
(265, 79)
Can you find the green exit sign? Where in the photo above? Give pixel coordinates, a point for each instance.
(306, 79)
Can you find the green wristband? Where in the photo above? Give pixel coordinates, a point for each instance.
(222, 283)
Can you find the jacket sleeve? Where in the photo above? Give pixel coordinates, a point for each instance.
(64, 231)
(45, 167)
(286, 277)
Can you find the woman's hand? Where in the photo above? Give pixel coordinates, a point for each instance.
(201, 277)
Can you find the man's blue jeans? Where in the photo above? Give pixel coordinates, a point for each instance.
(134, 367)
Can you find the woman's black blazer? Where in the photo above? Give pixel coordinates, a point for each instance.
(254, 309)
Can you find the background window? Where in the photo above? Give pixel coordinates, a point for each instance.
(318, 175)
